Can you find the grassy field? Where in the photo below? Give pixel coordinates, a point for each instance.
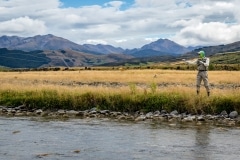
(121, 90)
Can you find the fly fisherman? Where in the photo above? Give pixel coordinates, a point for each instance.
(202, 65)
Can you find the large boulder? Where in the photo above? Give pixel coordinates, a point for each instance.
(233, 114)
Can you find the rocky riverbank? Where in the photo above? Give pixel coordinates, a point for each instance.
(231, 119)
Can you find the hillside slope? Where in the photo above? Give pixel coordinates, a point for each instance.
(212, 50)
(55, 58)
(21, 59)
(226, 58)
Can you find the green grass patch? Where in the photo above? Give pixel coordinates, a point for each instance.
(52, 100)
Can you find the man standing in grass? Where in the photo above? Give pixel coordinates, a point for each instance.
(202, 66)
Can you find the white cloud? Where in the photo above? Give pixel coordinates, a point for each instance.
(212, 33)
(152, 39)
(22, 26)
(120, 40)
(155, 3)
(225, 5)
(95, 41)
(186, 22)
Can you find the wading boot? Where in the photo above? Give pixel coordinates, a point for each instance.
(208, 93)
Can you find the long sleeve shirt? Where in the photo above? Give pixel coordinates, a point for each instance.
(202, 63)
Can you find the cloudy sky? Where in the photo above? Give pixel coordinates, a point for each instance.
(124, 23)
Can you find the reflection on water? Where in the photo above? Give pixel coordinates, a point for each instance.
(202, 147)
(102, 139)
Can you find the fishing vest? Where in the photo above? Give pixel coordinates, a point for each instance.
(200, 66)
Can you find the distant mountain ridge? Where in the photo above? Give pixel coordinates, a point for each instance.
(46, 42)
(51, 42)
(49, 50)
(165, 45)
(103, 49)
(161, 47)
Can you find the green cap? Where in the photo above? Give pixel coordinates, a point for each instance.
(201, 54)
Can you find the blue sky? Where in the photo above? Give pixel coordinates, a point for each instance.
(79, 3)
(82, 3)
(124, 23)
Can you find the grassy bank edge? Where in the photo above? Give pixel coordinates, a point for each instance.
(123, 102)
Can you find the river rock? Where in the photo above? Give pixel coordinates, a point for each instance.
(224, 121)
(105, 112)
(29, 113)
(224, 114)
(175, 112)
(130, 117)
(159, 118)
(39, 111)
(45, 113)
(93, 112)
(11, 110)
(121, 117)
(4, 110)
(92, 115)
(233, 114)
(72, 113)
(149, 115)
(157, 113)
(138, 113)
(115, 114)
(232, 123)
(61, 112)
(81, 113)
(141, 118)
(20, 113)
(21, 108)
(173, 119)
(200, 118)
(93, 109)
(189, 119)
(209, 117)
(163, 112)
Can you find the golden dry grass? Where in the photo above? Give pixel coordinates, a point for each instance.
(127, 76)
(55, 80)
(173, 88)
(141, 76)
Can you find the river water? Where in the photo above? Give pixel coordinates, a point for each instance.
(104, 139)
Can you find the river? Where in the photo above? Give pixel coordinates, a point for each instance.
(104, 139)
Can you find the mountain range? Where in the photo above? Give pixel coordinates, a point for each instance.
(49, 50)
(51, 42)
